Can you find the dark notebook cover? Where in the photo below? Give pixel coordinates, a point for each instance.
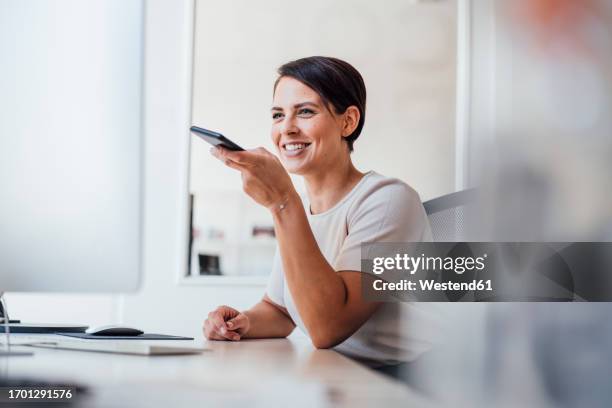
(33, 328)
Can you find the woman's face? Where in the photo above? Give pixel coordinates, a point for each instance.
(307, 135)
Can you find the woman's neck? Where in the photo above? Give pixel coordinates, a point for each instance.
(327, 188)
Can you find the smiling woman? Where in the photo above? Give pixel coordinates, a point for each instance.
(318, 111)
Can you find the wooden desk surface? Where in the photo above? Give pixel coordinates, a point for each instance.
(255, 372)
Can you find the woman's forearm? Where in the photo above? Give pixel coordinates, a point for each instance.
(318, 291)
(267, 320)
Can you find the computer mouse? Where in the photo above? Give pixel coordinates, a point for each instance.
(113, 330)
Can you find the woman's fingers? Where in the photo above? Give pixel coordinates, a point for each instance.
(231, 164)
(239, 323)
(216, 318)
(236, 160)
(213, 333)
(210, 332)
(218, 326)
(263, 177)
(243, 159)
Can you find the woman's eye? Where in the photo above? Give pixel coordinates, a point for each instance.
(277, 115)
(306, 112)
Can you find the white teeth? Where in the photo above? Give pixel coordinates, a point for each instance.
(294, 146)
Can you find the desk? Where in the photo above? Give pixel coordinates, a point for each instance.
(253, 373)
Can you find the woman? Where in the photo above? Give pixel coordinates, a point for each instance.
(318, 112)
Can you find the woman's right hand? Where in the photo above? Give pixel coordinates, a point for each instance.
(226, 323)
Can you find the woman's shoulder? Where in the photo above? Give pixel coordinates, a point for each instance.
(391, 207)
(377, 187)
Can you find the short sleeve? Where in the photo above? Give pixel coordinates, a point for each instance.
(392, 212)
(276, 283)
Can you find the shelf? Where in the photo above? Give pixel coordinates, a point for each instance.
(203, 280)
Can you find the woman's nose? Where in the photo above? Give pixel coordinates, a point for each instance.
(288, 126)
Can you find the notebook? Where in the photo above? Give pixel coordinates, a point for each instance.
(144, 336)
(146, 348)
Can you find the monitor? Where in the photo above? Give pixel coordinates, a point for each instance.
(71, 145)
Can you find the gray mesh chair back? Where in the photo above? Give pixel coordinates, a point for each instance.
(447, 215)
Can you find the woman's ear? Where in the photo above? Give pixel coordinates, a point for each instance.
(351, 120)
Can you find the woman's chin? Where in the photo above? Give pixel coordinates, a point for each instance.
(295, 170)
(294, 166)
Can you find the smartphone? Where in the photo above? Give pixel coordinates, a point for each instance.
(215, 139)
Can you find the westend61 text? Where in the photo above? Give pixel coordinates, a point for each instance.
(430, 284)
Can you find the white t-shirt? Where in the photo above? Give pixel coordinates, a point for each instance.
(377, 209)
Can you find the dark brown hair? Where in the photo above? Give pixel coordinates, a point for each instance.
(337, 82)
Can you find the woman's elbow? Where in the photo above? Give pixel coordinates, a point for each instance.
(325, 340)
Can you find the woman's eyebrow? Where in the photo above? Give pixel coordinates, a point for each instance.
(307, 103)
(296, 106)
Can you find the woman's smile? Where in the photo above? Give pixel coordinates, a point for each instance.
(294, 149)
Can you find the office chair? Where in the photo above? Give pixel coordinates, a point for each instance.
(447, 215)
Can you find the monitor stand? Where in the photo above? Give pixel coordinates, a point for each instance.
(7, 352)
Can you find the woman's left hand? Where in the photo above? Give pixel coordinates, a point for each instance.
(264, 178)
